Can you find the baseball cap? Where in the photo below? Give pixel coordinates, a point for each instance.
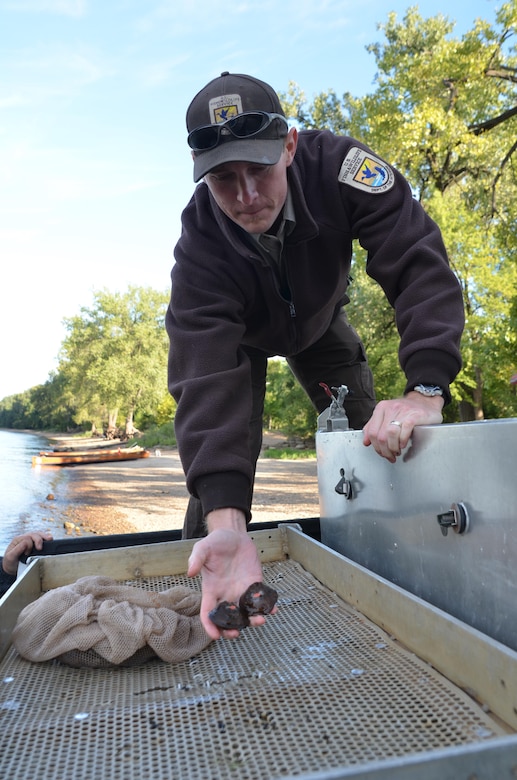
(224, 98)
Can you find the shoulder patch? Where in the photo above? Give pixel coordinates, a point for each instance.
(366, 172)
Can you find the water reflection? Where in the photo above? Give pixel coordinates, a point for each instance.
(24, 491)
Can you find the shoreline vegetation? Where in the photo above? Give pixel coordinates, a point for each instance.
(151, 495)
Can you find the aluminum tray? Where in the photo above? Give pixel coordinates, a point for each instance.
(353, 678)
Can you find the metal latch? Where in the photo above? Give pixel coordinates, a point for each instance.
(456, 518)
(334, 418)
(344, 486)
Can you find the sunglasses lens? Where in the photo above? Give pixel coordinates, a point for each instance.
(204, 138)
(248, 124)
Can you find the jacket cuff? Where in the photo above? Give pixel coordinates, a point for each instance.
(6, 580)
(224, 489)
(431, 367)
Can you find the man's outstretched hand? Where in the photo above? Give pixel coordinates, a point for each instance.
(228, 562)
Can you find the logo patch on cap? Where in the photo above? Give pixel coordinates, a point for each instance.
(366, 172)
(224, 107)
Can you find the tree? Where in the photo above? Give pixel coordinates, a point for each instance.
(114, 356)
(53, 405)
(286, 405)
(444, 112)
(374, 319)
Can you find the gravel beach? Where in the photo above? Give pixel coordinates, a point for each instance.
(150, 494)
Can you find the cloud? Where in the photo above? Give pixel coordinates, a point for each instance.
(105, 187)
(44, 183)
(159, 72)
(38, 75)
(12, 101)
(74, 8)
(74, 65)
(217, 14)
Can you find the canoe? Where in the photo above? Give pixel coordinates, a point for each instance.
(88, 456)
(88, 451)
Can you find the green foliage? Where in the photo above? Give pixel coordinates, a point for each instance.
(286, 406)
(165, 410)
(114, 356)
(374, 319)
(16, 411)
(43, 407)
(489, 283)
(160, 415)
(444, 113)
(158, 436)
(287, 453)
(112, 369)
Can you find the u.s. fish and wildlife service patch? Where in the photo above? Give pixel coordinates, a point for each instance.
(224, 107)
(365, 172)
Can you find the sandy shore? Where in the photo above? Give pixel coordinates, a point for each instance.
(150, 494)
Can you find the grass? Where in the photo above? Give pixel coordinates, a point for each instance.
(158, 436)
(287, 453)
(163, 436)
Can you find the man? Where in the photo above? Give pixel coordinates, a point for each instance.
(262, 269)
(20, 545)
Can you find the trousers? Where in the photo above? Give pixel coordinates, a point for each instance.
(337, 358)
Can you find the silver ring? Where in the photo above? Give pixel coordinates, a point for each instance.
(396, 422)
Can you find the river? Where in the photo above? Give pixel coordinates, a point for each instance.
(24, 491)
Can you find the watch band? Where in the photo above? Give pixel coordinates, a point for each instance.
(429, 390)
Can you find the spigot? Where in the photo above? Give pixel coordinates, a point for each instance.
(456, 518)
(335, 417)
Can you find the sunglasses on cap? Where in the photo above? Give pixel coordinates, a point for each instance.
(241, 126)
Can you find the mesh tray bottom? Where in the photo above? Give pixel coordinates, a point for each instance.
(319, 687)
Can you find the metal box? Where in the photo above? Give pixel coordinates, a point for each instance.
(353, 678)
(441, 522)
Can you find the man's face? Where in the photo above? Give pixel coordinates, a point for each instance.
(250, 194)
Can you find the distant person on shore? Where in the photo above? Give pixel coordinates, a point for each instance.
(20, 545)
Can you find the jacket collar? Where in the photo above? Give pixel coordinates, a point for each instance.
(305, 228)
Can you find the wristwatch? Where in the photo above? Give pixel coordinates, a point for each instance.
(429, 390)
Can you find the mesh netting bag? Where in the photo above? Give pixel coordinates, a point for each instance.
(97, 621)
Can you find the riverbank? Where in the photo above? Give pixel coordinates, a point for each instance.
(150, 494)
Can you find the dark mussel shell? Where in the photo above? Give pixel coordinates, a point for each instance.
(228, 615)
(258, 599)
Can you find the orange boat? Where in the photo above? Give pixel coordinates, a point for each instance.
(88, 456)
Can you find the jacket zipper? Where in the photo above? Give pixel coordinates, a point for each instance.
(280, 276)
(285, 285)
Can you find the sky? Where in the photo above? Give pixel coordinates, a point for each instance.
(94, 165)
